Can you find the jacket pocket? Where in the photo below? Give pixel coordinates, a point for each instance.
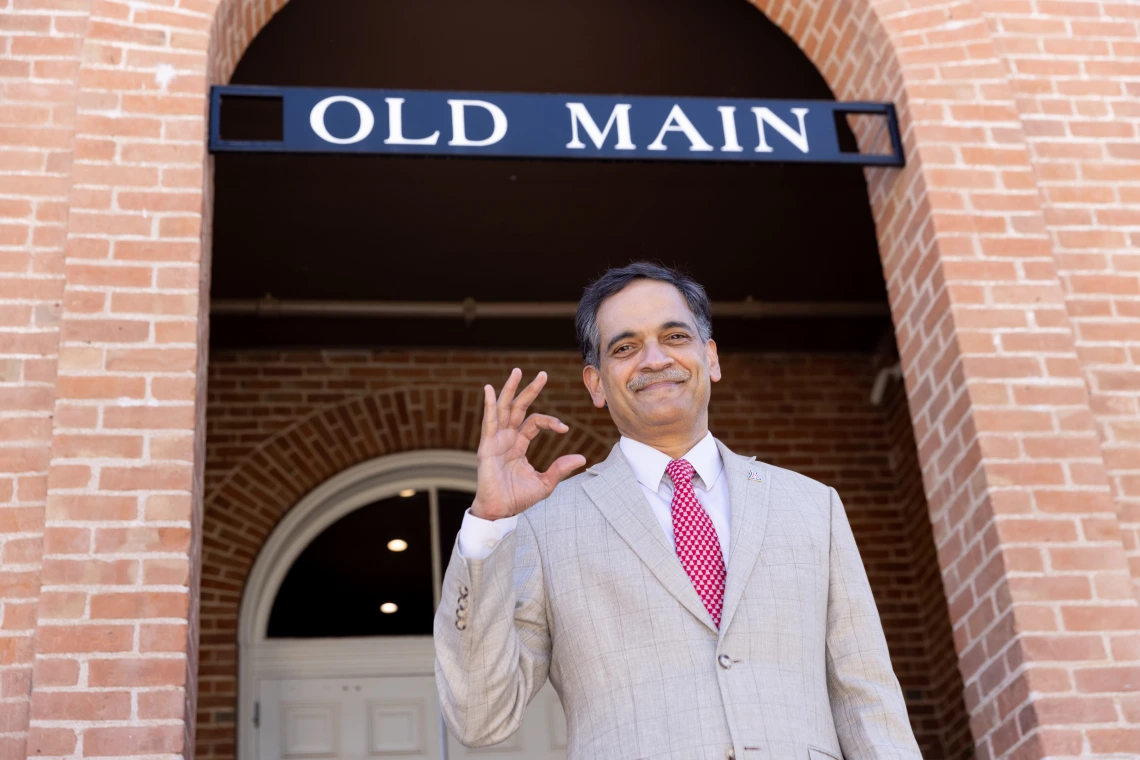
(819, 754)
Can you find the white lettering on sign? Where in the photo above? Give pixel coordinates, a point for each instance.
(396, 126)
(619, 117)
(618, 125)
(317, 120)
(459, 125)
(798, 139)
(677, 121)
(728, 122)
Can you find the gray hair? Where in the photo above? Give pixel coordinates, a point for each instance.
(614, 281)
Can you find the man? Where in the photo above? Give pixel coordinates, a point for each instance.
(686, 602)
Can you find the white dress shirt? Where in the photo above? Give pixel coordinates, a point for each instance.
(478, 537)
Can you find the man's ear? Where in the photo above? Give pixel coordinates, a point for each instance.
(714, 361)
(593, 380)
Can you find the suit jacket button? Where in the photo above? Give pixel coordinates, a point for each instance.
(462, 602)
(731, 754)
(461, 625)
(725, 661)
(462, 590)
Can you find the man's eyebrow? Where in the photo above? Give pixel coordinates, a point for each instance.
(670, 325)
(618, 338)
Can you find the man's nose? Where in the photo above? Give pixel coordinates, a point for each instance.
(655, 359)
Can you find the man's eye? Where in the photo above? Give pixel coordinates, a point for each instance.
(620, 349)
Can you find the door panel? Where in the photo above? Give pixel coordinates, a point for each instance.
(311, 729)
(397, 727)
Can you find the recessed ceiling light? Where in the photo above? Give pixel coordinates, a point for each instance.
(388, 608)
(408, 492)
(397, 545)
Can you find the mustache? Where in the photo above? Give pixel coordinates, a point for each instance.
(675, 375)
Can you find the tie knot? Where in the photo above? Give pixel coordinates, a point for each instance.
(680, 471)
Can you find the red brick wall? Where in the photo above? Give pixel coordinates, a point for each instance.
(1074, 66)
(280, 423)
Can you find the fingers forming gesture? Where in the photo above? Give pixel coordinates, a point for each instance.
(508, 484)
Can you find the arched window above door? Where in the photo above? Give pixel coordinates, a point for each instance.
(326, 568)
(375, 571)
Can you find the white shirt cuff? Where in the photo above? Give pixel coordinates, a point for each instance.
(479, 537)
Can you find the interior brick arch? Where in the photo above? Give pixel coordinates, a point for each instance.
(254, 494)
(249, 499)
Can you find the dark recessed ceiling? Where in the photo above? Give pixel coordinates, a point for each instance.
(436, 229)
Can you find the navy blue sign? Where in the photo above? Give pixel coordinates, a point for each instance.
(556, 126)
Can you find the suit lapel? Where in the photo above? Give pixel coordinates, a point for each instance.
(616, 493)
(748, 506)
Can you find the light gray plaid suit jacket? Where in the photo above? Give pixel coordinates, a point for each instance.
(587, 591)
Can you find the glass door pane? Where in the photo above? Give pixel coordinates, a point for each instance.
(343, 582)
(452, 505)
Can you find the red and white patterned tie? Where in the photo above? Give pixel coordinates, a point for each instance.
(698, 547)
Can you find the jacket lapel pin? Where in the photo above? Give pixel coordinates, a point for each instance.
(754, 475)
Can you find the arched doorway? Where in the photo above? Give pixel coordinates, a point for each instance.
(449, 230)
(335, 652)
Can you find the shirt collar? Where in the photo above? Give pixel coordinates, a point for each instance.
(648, 464)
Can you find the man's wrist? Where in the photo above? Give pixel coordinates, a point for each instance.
(479, 509)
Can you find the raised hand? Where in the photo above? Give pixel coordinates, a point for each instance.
(507, 483)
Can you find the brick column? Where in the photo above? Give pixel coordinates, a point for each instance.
(1075, 68)
(112, 634)
(39, 61)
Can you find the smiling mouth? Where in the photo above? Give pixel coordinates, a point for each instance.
(659, 384)
(658, 379)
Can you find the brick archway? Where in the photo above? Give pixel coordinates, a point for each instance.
(293, 461)
(248, 501)
(1046, 625)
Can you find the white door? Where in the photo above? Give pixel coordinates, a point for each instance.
(350, 718)
(392, 717)
(345, 666)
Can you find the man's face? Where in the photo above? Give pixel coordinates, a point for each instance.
(654, 371)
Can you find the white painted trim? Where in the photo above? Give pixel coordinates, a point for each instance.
(343, 658)
(260, 658)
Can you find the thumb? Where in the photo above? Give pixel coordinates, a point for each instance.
(561, 469)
